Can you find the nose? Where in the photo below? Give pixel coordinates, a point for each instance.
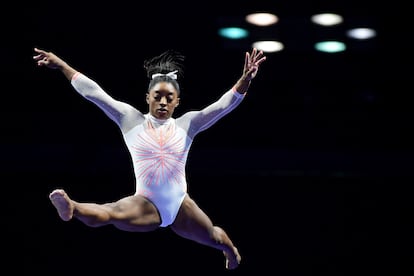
(163, 101)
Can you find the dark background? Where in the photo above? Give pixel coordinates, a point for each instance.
(311, 175)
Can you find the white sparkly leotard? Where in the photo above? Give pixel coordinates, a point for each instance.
(158, 148)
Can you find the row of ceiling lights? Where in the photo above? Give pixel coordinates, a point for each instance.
(322, 19)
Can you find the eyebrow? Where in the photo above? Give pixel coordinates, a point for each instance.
(168, 93)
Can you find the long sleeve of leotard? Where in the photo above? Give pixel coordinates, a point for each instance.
(123, 114)
(197, 121)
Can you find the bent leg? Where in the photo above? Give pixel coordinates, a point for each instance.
(192, 223)
(132, 213)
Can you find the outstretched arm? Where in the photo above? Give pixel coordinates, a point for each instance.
(123, 114)
(252, 63)
(197, 121)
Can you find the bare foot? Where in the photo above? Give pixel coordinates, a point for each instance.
(62, 203)
(233, 259)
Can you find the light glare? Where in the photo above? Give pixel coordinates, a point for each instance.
(268, 46)
(361, 33)
(262, 19)
(330, 46)
(327, 19)
(233, 33)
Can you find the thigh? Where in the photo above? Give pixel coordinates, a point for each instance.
(192, 222)
(134, 213)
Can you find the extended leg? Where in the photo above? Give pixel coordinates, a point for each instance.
(192, 223)
(131, 213)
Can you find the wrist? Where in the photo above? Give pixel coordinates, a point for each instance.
(242, 85)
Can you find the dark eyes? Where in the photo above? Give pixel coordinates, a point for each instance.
(169, 98)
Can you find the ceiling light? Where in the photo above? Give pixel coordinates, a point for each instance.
(268, 46)
(262, 19)
(327, 19)
(330, 46)
(233, 33)
(361, 33)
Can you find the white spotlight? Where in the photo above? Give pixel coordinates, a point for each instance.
(262, 19)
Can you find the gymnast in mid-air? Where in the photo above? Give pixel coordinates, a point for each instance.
(158, 145)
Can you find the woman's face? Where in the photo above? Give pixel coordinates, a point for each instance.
(162, 100)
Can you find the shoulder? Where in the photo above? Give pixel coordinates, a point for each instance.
(131, 118)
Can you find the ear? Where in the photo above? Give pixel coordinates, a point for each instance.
(147, 98)
(178, 102)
